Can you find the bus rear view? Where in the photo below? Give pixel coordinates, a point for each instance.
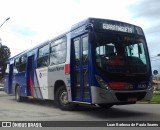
(121, 66)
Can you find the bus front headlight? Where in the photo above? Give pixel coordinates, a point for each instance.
(101, 82)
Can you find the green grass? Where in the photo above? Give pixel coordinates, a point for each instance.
(156, 98)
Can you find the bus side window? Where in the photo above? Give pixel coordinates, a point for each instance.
(17, 63)
(7, 69)
(15, 68)
(43, 56)
(23, 63)
(58, 51)
(20, 64)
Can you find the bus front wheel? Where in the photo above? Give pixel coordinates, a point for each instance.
(17, 94)
(61, 99)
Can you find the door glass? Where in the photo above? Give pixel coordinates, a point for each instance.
(77, 90)
(77, 53)
(85, 67)
(85, 50)
(86, 84)
(77, 84)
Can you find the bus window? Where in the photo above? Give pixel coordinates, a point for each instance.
(17, 63)
(77, 52)
(136, 50)
(58, 52)
(43, 58)
(20, 64)
(15, 70)
(114, 55)
(85, 50)
(23, 62)
(7, 69)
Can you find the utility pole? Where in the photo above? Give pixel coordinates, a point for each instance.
(4, 21)
(0, 27)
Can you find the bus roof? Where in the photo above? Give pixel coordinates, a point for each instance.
(97, 24)
(99, 20)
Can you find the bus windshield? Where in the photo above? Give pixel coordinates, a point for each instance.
(123, 54)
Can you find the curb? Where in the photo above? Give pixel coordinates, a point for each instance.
(148, 103)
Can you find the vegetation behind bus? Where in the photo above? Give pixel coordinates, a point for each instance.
(155, 99)
(4, 55)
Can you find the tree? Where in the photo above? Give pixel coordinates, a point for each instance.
(4, 55)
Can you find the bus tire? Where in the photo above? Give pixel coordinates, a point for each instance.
(61, 99)
(18, 95)
(106, 106)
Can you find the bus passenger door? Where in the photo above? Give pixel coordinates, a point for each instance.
(80, 74)
(10, 78)
(30, 76)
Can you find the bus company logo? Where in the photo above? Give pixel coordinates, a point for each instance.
(6, 124)
(40, 75)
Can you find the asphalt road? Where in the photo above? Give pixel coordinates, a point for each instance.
(32, 110)
(42, 110)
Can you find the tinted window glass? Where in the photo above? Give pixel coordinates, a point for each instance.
(43, 56)
(20, 63)
(85, 50)
(77, 52)
(58, 51)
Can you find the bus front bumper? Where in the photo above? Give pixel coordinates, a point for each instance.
(102, 96)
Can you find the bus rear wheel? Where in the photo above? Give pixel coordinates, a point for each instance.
(107, 106)
(61, 99)
(18, 94)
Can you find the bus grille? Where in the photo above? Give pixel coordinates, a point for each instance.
(125, 96)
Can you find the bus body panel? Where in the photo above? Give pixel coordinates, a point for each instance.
(20, 80)
(55, 73)
(149, 94)
(42, 77)
(37, 89)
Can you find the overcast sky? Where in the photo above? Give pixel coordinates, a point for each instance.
(34, 21)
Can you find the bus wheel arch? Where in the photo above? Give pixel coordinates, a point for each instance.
(61, 97)
(57, 84)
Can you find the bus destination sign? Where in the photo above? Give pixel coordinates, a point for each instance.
(117, 28)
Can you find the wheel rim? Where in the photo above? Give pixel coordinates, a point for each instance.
(64, 98)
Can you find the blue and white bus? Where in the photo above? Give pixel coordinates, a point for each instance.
(98, 61)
